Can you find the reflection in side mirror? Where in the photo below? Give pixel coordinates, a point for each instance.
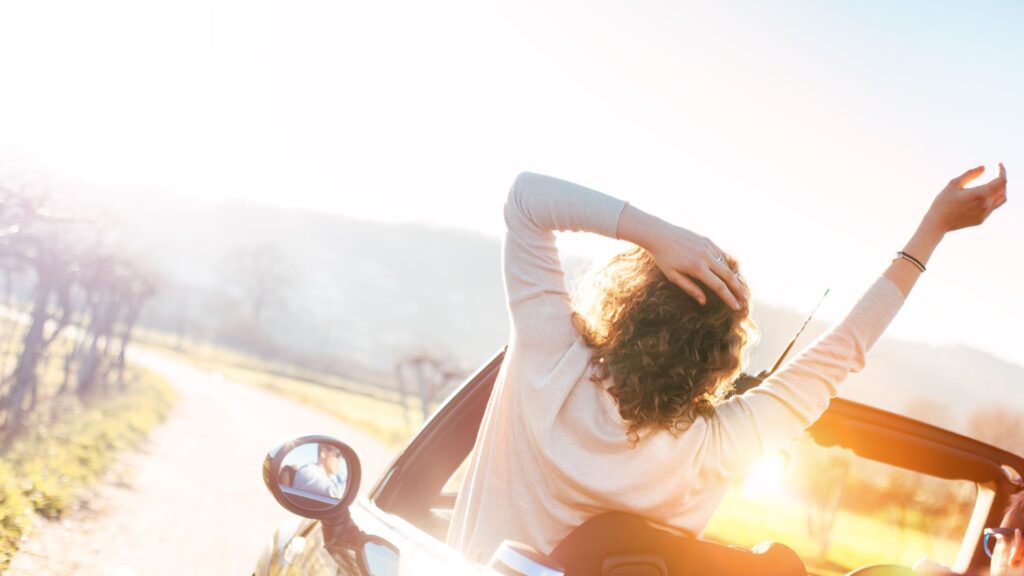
(314, 476)
(379, 557)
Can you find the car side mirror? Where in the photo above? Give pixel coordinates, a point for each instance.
(318, 477)
(313, 476)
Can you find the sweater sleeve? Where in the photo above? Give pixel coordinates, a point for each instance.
(746, 427)
(537, 206)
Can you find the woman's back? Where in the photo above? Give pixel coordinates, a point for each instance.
(553, 449)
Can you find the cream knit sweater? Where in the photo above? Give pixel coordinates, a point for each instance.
(552, 449)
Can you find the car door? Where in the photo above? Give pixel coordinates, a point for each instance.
(410, 506)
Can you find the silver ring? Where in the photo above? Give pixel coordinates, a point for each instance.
(720, 259)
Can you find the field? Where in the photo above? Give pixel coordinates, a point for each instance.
(371, 408)
(855, 540)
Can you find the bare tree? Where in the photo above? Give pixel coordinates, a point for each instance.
(137, 288)
(117, 290)
(102, 305)
(823, 489)
(260, 275)
(28, 241)
(425, 377)
(66, 284)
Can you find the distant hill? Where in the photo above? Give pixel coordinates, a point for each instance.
(360, 293)
(354, 296)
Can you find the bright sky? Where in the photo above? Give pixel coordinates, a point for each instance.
(806, 138)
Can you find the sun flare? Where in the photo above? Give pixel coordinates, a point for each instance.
(766, 477)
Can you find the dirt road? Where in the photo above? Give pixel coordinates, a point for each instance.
(192, 500)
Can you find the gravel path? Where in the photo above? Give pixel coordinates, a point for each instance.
(192, 500)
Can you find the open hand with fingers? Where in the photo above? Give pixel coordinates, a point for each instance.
(957, 206)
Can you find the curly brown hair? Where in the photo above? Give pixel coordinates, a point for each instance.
(669, 358)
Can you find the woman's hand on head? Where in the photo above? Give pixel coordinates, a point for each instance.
(957, 206)
(684, 257)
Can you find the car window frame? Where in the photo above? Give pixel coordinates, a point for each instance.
(901, 441)
(413, 481)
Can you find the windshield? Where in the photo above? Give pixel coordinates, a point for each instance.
(839, 511)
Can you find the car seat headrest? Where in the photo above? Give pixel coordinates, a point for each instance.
(615, 536)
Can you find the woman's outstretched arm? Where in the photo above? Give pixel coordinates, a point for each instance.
(750, 425)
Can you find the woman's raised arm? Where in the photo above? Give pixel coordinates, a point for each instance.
(750, 425)
(537, 206)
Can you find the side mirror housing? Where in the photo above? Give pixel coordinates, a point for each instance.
(318, 477)
(313, 476)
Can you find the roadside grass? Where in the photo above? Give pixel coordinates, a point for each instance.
(383, 419)
(44, 470)
(373, 409)
(67, 443)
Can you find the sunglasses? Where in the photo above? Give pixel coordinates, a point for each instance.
(994, 534)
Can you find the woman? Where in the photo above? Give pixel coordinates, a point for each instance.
(619, 406)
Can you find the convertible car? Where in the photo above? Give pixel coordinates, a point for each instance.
(863, 492)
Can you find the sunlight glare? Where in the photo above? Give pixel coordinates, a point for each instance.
(766, 478)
